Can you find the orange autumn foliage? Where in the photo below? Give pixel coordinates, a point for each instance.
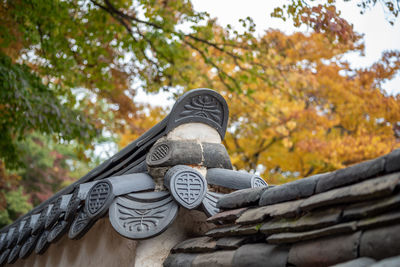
(306, 110)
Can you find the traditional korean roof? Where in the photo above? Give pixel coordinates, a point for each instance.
(180, 163)
(349, 217)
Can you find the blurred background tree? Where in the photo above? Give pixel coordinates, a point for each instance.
(69, 71)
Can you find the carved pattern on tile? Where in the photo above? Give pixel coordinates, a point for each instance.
(58, 230)
(28, 247)
(187, 186)
(205, 106)
(4, 256)
(42, 243)
(79, 225)
(160, 152)
(97, 197)
(210, 203)
(258, 182)
(13, 254)
(139, 219)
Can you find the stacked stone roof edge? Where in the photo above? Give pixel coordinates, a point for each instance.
(350, 217)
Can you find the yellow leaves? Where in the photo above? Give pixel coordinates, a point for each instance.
(144, 120)
(287, 143)
(291, 125)
(282, 130)
(312, 118)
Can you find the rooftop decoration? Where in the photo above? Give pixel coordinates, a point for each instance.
(347, 217)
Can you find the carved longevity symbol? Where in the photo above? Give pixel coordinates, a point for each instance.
(205, 106)
(188, 186)
(98, 196)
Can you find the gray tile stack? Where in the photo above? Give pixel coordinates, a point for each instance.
(349, 217)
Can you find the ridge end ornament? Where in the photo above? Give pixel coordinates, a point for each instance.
(200, 105)
(187, 186)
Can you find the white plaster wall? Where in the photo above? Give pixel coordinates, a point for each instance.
(103, 246)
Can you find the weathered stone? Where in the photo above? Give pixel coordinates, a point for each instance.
(241, 198)
(216, 156)
(256, 215)
(310, 221)
(393, 161)
(381, 243)
(290, 191)
(222, 231)
(360, 262)
(246, 230)
(378, 187)
(325, 251)
(370, 208)
(181, 260)
(352, 174)
(390, 262)
(217, 259)
(228, 216)
(254, 255)
(234, 230)
(378, 221)
(296, 237)
(196, 245)
(234, 242)
(171, 152)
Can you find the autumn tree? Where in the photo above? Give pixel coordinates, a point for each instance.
(70, 76)
(307, 110)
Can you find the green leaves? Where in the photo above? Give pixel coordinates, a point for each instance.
(27, 105)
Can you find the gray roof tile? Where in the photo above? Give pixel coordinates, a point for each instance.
(352, 174)
(195, 245)
(254, 255)
(371, 207)
(393, 161)
(359, 262)
(235, 242)
(390, 262)
(290, 191)
(241, 198)
(310, 221)
(217, 259)
(380, 243)
(181, 260)
(256, 215)
(293, 237)
(228, 216)
(377, 187)
(325, 251)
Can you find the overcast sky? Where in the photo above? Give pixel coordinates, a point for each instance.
(379, 35)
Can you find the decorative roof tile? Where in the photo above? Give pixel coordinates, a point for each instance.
(343, 217)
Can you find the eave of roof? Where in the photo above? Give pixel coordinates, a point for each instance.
(349, 215)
